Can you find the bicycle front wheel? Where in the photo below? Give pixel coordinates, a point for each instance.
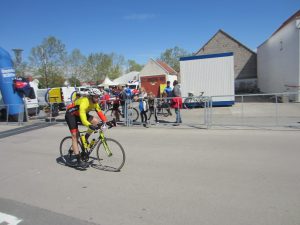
(165, 112)
(188, 103)
(111, 155)
(66, 151)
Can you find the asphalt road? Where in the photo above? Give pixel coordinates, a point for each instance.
(172, 176)
(28, 215)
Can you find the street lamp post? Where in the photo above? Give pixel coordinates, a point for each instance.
(18, 56)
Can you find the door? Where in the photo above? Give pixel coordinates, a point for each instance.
(152, 83)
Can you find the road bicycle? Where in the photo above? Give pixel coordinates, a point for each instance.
(132, 113)
(193, 101)
(109, 152)
(163, 107)
(160, 107)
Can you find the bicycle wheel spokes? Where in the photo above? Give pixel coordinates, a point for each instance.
(116, 160)
(66, 151)
(133, 114)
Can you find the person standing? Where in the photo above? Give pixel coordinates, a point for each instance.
(177, 102)
(168, 94)
(143, 106)
(152, 106)
(168, 90)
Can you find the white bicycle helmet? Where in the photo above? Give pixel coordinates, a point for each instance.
(94, 91)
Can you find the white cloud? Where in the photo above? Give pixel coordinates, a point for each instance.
(140, 16)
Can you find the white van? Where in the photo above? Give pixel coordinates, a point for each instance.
(32, 105)
(61, 96)
(41, 96)
(82, 90)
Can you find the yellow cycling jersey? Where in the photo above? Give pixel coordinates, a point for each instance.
(81, 107)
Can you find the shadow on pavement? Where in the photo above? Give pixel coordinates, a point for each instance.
(92, 164)
(60, 161)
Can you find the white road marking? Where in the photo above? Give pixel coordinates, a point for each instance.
(9, 219)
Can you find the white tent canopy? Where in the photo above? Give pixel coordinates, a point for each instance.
(107, 82)
(125, 78)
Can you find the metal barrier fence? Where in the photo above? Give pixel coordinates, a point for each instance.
(7, 115)
(162, 114)
(27, 112)
(275, 109)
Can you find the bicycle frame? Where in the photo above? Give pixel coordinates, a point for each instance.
(103, 140)
(163, 107)
(89, 149)
(193, 101)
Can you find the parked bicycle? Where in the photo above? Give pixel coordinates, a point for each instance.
(163, 108)
(193, 101)
(110, 153)
(132, 113)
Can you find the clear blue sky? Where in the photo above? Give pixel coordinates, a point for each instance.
(138, 29)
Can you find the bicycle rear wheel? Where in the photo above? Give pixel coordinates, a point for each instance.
(66, 151)
(117, 159)
(133, 114)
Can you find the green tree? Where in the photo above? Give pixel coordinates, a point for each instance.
(133, 66)
(20, 69)
(90, 68)
(74, 81)
(171, 57)
(104, 66)
(19, 66)
(49, 60)
(100, 65)
(55, 79)
(76, 66)
(116, 69)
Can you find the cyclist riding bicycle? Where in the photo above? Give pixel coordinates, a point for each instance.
(78, 112)
(117, 101)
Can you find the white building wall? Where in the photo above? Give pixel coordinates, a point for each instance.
(278, 60)
(213, 76)
(152, 68)
(133, 75)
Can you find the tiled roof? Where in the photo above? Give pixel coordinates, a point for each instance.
(168, 68)
(228, 36)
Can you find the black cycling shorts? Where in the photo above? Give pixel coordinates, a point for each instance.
(116, 106)
(73, 121)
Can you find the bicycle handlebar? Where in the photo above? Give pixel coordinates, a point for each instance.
(110, 124)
